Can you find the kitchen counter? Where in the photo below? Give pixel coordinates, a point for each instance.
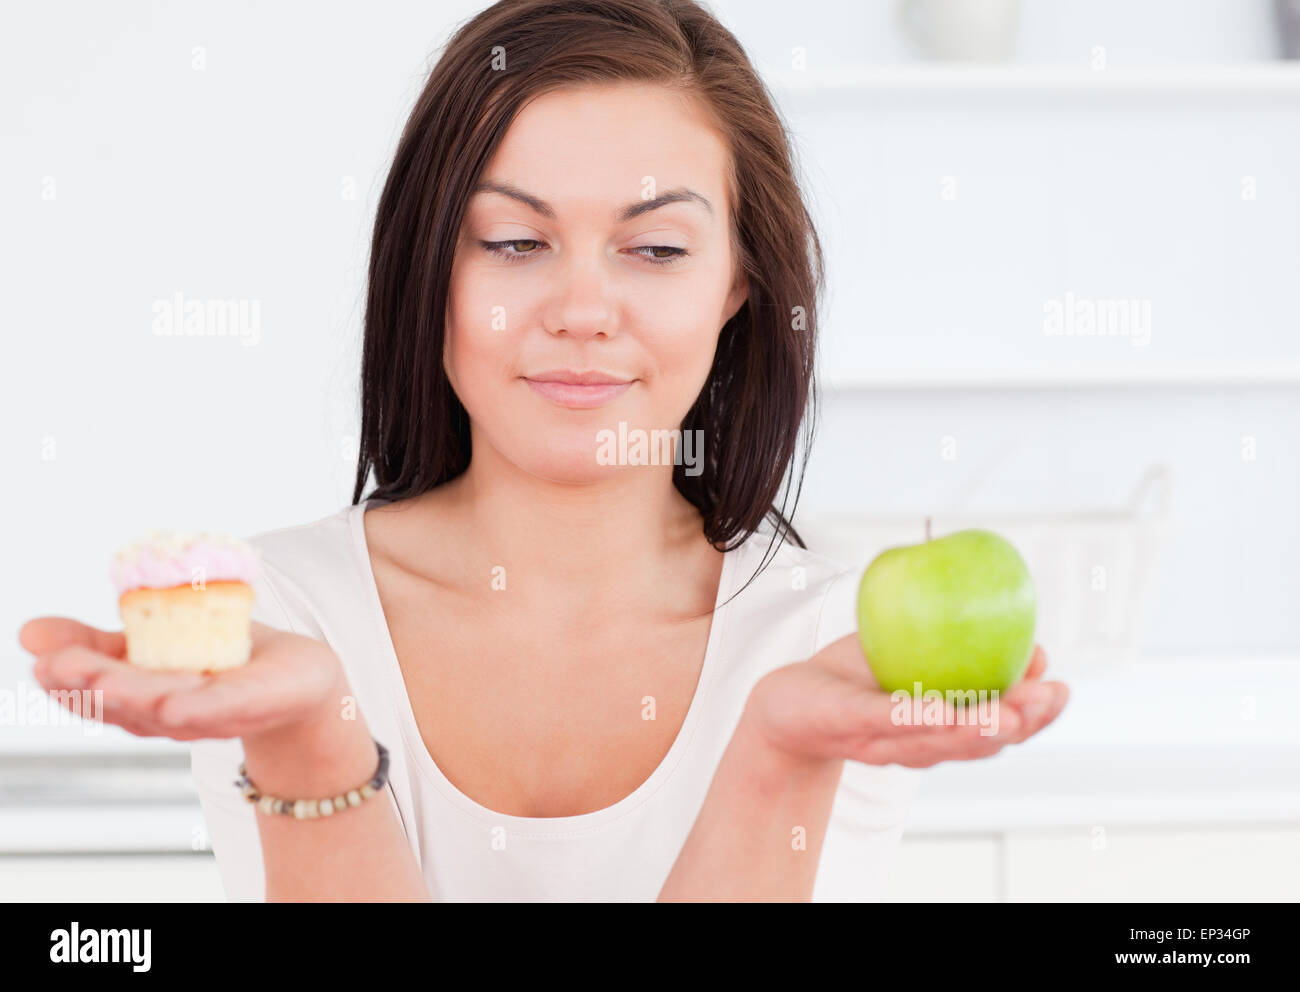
(1171, 742)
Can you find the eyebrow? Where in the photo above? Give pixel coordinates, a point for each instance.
(680, 194)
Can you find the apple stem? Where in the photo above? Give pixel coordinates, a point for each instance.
(927, 528)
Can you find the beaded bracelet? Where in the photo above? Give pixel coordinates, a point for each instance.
(310, 809)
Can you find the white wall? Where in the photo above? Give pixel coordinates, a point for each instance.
(130, 176)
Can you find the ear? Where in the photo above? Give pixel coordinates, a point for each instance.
(736, 298)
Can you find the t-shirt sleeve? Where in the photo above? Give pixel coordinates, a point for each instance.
(838, 615)
(873, 801)
(230, 818)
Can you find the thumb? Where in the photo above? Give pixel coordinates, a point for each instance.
(45, 634)
(844, 657)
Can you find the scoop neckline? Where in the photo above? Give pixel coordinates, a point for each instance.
(534, 826)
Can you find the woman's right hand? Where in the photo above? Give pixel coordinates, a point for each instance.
(288, 680)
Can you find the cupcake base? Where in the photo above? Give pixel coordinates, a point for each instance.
(186, 629)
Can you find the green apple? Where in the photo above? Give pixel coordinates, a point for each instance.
(955, 613)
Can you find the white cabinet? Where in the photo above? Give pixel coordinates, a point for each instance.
(935, 869)
(1135, 864)
(1120, 864)
(1102, 864)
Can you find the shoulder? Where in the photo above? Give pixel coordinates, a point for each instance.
(806, 587)
(300, 567)
(305, 541)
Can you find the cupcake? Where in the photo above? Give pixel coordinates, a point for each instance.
(186, 600)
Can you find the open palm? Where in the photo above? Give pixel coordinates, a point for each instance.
(831, 706)
(288, 678)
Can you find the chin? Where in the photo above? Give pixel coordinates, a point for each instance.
(570, 462)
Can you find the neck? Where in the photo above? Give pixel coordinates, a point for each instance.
(627, 542)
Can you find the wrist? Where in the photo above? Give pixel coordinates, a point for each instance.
(322, 753)
(774, 771)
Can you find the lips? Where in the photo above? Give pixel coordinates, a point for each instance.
(579, 390)
(590, 378)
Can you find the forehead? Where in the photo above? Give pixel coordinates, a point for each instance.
(598, 143)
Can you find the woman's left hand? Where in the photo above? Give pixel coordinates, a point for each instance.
(831, 706)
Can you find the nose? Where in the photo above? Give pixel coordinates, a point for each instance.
(582, 303)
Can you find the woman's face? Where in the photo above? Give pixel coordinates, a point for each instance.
(613, 256)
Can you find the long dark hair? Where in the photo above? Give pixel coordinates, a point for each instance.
(414, 430)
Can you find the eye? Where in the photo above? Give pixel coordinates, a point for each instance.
(674, 254)
(498, 248)
(517, 248)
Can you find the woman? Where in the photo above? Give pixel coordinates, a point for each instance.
(604, 669)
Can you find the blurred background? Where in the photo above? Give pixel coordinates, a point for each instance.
(1063, 240)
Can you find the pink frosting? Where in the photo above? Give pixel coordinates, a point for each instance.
(166, 559)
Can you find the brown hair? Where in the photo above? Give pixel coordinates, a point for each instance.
(414, 430)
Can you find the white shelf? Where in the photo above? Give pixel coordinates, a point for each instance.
(137, 827)
(1281, 78)
(1227, 374)
(72, 739)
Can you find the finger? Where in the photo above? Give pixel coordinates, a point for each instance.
(44, 635)
(260, 634)
(136, 708)
(72, 667)
(892, 751)
(136, 696)
(247, 698)
(1028, 693)
(1061, 697)
(970, 732)
(872, 709)
(117, 693)
(121, 694)
(844, 657)
(1037, 663)
(149, 730)
(143, 724)
(1038, 712)
(922, 751)
(143, 687)
(1011, 724)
